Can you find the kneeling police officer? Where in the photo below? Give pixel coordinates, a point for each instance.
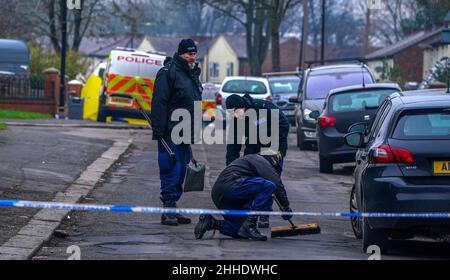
(248, 183)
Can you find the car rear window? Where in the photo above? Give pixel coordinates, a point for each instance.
(358, 100)
(319, 85)
(284, 86)
(245, 86)
(423, 125)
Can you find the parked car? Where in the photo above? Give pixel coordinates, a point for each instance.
(257, 87)
(14, 57)
(344, 107)
(283, 86)
(316, 84)
(209, 97)
(403, 166)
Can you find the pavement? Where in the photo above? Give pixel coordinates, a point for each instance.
(134, 180)
(49, 163)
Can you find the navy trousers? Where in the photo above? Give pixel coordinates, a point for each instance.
(172, 175)
(253, 194)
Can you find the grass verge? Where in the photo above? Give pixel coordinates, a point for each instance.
(7, 114)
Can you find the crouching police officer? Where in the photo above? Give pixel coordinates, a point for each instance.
(177, 86)
(240, 105)
(246, 184)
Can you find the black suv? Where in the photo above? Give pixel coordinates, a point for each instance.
(403, 166)
(315, 86)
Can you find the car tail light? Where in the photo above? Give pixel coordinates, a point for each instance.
(387, 154)
(218, 99)
(269, 98)
(326, 121)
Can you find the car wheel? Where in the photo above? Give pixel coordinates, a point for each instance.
(355, 221)
(325, 166)
(374, 237)
(301, 143)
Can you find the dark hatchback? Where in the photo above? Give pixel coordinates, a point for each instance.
(403, 166)
(346, 108)
(316, 83)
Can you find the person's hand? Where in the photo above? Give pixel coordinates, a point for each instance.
(287, 217)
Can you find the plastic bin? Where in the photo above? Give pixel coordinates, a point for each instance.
(76, 105)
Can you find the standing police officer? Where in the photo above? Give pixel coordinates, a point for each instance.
(177, 86)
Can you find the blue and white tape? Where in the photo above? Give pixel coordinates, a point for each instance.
(186, 211)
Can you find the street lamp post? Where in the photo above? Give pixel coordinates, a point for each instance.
(62, 87)
(304, 35)
(448, 75)
(322, 47)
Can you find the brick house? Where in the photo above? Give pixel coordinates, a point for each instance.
(407, 54)
(289, 55)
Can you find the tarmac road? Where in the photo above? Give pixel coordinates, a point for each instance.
(135, 181)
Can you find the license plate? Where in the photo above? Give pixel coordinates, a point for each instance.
(120, 101)
(442, 167)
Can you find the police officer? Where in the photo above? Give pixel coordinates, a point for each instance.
(246, 184)
(177, 86)
(240, 105)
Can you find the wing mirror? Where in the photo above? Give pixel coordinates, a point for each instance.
(355, 139)
(314, 115)
(358, 127)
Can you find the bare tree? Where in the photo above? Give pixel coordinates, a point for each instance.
(44, 19)
(130, 12)
(11, 26)
(277, 13)
(261, 20)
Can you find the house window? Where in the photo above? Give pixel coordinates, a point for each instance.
(230, 68)
(214, 70)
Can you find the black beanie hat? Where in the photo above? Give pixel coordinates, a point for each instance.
(186, 45)
(235, 102)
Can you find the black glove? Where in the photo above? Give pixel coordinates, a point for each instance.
(287, 217)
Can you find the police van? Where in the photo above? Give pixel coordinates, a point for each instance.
(129, 78)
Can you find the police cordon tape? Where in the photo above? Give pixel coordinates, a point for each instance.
(186, 211)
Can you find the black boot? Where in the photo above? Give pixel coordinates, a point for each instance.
(169, 219)
(205, 223)
(249, 230)
(182, 220)
(263, 222)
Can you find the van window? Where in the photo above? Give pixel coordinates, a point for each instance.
(423, 126)
(319, 85)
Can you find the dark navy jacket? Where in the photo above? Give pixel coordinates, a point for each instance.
(233, 150)
(177, 86)
(247, 167)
